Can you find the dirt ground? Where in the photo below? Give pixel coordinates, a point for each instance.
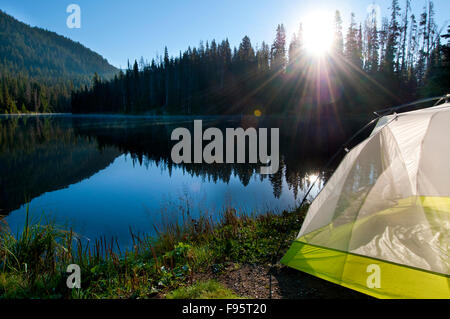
(253, 281)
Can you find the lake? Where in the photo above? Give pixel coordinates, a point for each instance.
(102, 175)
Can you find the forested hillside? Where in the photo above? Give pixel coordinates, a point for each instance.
(368, 67)
(39, 68)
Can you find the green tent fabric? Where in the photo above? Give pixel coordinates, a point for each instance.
(381, 224)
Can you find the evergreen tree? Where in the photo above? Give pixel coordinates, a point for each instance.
(338, 39)
(352, 43)
(389, 63)
(423, 38)
(278, 53)
(263, 58)
(412, 54)
(246, 54)
(296, 47)
(404, 34)
(371, 50)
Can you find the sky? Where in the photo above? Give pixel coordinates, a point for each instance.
(122, 30)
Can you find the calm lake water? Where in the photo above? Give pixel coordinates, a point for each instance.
(105, 175)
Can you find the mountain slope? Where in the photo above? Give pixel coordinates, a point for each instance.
(39, 69)
(39, 53)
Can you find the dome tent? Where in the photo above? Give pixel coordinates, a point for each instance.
(381, 224)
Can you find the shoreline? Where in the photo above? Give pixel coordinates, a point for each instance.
(350, 117)
(231, 258)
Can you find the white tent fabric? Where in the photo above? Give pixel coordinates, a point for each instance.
(390, 197)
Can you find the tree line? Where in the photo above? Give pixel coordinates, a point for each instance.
(21, 94)
(368, 65)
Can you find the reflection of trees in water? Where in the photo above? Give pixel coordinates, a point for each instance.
(302, 152)
(40, 154)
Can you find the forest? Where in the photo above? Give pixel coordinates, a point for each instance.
(39, 69)
(368, 67)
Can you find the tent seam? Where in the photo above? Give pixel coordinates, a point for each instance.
(403, 159)
(421, 150)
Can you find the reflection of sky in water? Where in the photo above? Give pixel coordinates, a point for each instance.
(127, 194)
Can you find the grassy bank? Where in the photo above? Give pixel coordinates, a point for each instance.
(33, 264)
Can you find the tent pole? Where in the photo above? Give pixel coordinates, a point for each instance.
(388, 110)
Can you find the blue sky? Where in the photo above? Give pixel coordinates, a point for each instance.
(121, 30)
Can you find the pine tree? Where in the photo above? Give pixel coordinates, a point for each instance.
(359, 46)
(278, 52)
(338, 39)
(263, 58)
(296, 47)
(430, 29)
(246, 54)
(404, 36)
(389, 64)
(292, 51)
(423, 38)
(412, 53)
(383, 40)
(371, 49)
(352, 44)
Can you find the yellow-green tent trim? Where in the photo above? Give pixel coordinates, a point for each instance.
(353, 271)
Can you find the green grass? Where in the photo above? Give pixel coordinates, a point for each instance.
(33, 263)
(202, 290)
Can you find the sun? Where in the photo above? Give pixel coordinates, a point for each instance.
(318, 33)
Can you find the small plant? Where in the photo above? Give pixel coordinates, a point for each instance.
(202, 290)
